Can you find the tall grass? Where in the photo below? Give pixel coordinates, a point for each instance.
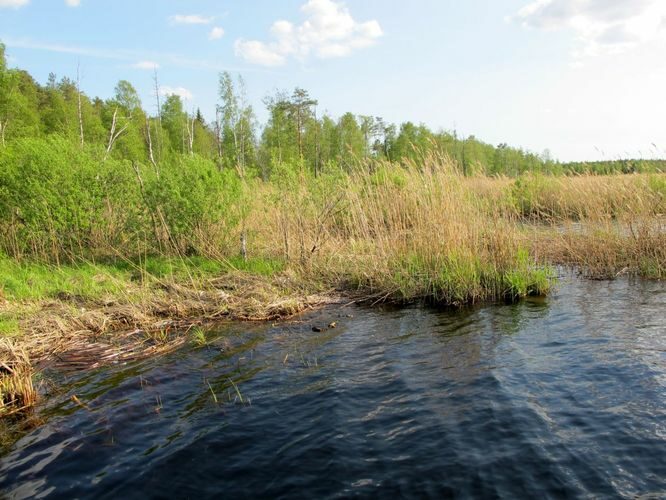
(118, 244)
(589, 197)
(401, 233)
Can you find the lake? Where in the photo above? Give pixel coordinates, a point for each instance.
(556, 397)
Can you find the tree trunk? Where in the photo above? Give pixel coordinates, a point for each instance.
(3, 127)
(114, 135)
(150, 146)
(78, 91)
(159, 114)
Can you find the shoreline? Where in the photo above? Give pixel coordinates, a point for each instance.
(77, 333)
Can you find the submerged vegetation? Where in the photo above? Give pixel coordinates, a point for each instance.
(119, 231)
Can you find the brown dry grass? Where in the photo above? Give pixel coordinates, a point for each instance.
(590, 197)
(130, 327)
(17, 392)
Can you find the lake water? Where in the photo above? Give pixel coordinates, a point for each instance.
(562, 397)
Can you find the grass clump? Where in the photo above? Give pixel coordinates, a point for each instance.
(198, 337)
(405, 233)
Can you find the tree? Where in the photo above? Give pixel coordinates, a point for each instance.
(236, 124)
(127, 97)
(301, 105)
(19, 102)
(174, 121)
(351, 140)
(125, 122)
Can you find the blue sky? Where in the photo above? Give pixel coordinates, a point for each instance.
(582, 78)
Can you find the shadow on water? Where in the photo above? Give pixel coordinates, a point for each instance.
(557, 397)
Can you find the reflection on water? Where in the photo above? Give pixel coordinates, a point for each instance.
(557, 397)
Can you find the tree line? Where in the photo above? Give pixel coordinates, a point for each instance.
(296, 134)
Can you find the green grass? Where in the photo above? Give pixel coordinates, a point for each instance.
(195, 267)
(458, 279)
(264, 267)
(198, 337)
(20, 281)
(9, 325)
(33, 281)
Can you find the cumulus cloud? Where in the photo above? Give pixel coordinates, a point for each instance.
(73, 3)
(14, 4)
(190, 19)
(329, 30)
(216, 33)
(184, 93)
(151, 65)
(602, 26)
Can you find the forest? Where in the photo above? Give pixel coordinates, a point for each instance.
(295, 135)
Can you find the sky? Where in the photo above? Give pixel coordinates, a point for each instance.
(583, 79)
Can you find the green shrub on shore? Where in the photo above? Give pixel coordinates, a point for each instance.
(60, 201)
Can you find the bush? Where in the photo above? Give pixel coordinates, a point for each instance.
(58, 199)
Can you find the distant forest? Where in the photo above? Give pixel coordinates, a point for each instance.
(295, 134)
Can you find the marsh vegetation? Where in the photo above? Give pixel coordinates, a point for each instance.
(118, 230)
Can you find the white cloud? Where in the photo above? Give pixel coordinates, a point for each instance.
(151, 65)
(14, 4)
(73, 3)
(216, 33)
(190, 19)
(329, 30)
(184, 93)
(602, 26)
(258, 53)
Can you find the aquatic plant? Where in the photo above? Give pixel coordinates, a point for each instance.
(198, 337)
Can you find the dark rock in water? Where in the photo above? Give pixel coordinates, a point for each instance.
(317, 329)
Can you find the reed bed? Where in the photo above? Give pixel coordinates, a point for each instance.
(590, 197)
(408, 234)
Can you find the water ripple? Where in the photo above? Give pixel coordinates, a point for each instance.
(564, 397)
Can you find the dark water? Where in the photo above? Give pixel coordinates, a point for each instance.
(558, 398)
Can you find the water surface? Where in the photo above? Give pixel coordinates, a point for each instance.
(547, 398)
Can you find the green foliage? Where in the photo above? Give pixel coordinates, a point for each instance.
(24, 281)
(56, 197)
(260, 266)
(294, 134)
(58, 200)
(525, 278)
(464, 278)
(657, 184)
(526, 195)
(195, 201)
(626, 166)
